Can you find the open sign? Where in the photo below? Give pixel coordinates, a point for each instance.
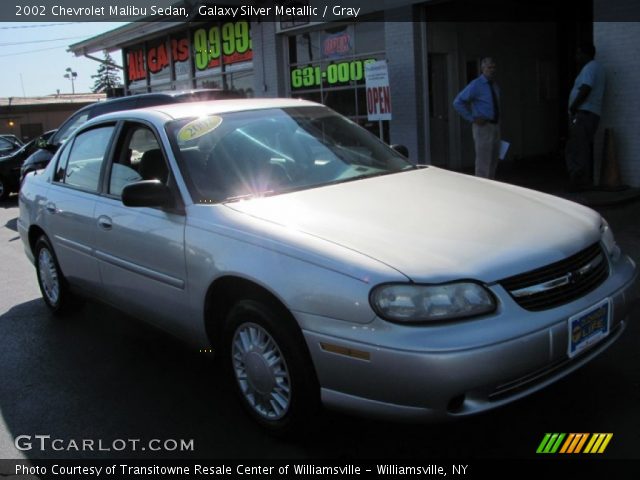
(378, 92)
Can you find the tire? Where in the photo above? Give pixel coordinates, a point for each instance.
(4, 189)
(270, 367)
(53, 286)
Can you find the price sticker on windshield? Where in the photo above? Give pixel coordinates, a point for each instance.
(198, 128)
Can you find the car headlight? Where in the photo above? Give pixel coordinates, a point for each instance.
(608, 241)
(431, 303)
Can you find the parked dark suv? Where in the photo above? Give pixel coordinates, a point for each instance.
(10, 164)
(40, 158)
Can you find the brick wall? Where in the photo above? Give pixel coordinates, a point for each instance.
(618, 50)
(400, 42)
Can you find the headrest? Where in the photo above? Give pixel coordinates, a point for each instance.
(153, 166)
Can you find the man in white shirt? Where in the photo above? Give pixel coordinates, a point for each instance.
(585, 108)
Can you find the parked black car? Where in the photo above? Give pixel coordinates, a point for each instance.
(10, 164)
(7, 146)
(12, 137)
(39, 159)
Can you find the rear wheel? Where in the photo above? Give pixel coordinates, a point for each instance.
(53, 286)
(4, 189)
(270, 367)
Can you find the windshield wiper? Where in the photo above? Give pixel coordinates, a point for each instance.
(360, 177)
(247, 196)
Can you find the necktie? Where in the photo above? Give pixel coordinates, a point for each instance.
(494, 98)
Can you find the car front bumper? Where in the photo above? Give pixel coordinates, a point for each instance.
(437, 372)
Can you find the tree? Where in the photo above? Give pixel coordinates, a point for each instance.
(107, 76)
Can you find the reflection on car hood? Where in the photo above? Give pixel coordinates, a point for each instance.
(436, 226)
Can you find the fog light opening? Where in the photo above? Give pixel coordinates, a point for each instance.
(455, 404)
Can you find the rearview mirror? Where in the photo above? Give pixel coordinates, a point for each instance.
(146, 193)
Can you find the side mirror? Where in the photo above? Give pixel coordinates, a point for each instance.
(146, 193)
(41, 143)
(401, 149)
(51, 147)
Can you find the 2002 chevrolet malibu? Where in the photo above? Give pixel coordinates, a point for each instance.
(321, 263)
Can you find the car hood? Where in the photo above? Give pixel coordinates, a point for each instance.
(435, 226)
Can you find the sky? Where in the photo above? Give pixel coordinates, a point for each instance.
(33, 57)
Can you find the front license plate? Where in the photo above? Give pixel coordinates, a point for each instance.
(589, 327)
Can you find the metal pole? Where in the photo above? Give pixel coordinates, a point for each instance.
(71, 75)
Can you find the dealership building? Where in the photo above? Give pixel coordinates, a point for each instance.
(432, 50)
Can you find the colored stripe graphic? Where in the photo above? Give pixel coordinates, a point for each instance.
(574, 443)
(543, 443)
(550, 443)
(598, 442)
(581, 441)
(568, 443)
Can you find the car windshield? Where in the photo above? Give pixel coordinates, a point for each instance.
(6, 146)
(232, 156)
(13, 139)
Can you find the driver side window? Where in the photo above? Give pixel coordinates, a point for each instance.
(139, 157)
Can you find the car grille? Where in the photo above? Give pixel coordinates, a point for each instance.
(560, 282)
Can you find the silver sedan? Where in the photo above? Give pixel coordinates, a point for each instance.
(320, 264)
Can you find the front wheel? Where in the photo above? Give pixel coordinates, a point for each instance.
(271, 367)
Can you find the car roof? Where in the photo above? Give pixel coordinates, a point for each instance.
(197, 91)
(211, 107)
(170, 96)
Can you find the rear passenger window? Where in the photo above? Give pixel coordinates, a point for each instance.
(81, 168)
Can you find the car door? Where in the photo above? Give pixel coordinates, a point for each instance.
(71, 199)
(140, 250)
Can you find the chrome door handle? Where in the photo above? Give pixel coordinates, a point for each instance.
(51, 208)
(104, 222)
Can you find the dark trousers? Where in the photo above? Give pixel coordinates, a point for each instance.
(579, 154)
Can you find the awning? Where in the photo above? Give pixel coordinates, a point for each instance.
(129, 34)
